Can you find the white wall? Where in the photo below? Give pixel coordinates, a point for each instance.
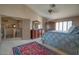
(76, 21)
(26, 29)
(38, 18)
(12, 10)
(17, 11)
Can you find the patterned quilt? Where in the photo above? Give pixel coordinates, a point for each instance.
(66, 41)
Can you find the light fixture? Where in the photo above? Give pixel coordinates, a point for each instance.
(51, 9)
(14, 26)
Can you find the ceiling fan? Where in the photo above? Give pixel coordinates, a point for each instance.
(52, 8)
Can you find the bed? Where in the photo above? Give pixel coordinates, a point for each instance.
(67, 42)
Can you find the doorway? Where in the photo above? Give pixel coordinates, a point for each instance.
(11, 27)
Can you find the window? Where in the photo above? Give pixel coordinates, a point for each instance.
(60, 26)
(39, 26)
(63, 26)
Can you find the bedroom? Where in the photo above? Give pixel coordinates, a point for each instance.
(36, 25)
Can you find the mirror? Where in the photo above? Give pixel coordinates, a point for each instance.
(35, 24)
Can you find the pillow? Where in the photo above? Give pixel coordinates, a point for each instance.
(71, 29)
(76, 30)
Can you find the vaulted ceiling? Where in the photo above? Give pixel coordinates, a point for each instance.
(62, 10)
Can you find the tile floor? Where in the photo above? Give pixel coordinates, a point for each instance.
(7, 45)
